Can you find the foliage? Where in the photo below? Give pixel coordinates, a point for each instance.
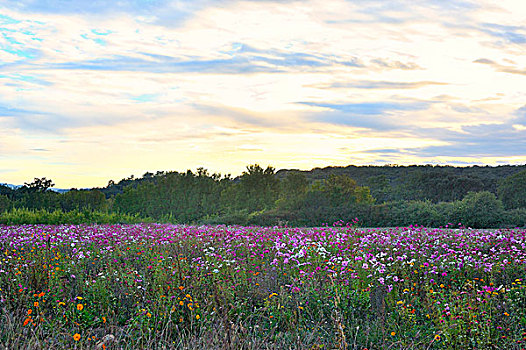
(480, 209)
(512, 190)
(5, 203)
(38, 185)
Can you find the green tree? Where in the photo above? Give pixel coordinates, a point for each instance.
(341, 189)
(292, 191)
(5, 203)
(380, 188)
(512, 191)
(258, 188)
(480, 210)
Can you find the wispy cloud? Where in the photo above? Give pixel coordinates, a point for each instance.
(374, 85)
(369, 108)
(502, 67)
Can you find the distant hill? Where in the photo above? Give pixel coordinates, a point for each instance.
(396, 173)
(15, 187)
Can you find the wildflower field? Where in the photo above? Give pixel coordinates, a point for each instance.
(175, 287)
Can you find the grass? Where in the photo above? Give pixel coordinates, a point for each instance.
(215, 287)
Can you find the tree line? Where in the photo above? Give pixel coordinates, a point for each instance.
(373, 195)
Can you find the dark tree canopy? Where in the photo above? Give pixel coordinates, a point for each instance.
(39, 185)
(512, 190)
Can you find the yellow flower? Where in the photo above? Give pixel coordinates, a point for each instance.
(437, 337)
(181, 303)
(197, 317)
(80, 307)
(393, 333)
(76, 337)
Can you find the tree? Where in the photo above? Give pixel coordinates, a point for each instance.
(258, 188)
(38, 185)
(341, 189)
(5, 203)
(512, 191)
(480, 210)
(380, 188)
(292, 190)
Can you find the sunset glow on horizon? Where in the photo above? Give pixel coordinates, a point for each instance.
(92, 91)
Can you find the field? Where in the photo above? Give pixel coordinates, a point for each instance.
(151, 286)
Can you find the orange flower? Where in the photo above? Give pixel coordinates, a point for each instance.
(80, 307)
(103, 319)
(393, 333)
(29, 311)
(35, 303)
(27, 321)
(76, 337)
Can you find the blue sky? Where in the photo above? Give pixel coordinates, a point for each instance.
(96, 90)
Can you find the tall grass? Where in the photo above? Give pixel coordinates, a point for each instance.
(23, 216)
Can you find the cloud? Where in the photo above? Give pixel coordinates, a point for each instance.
(396, 85)
(376, 116)
(521, 116)
(369, 108)
(484, 140)
(90, 7)
(510, 34)
(484, 61)
(502, 68)
(248, 61)
(383, 150)
(383, 63)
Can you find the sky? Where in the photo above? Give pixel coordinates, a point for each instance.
(98, 90)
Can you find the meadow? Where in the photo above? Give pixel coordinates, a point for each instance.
(153, 286)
